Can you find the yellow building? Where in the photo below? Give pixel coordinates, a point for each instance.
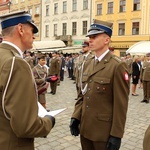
(33, 6)
(130, 18)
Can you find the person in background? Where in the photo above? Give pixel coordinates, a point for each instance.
(100, 111)
(146, 79)
(19, 120)
(62, 67)
(54, 70)
(129, 62)
(29, 58)
(135, 74)
(40, 74)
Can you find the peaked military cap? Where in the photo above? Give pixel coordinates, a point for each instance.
(148, 55)
(13, 19)
(98, 27)
(85, 43)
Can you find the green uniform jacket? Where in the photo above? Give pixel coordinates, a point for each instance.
(20, 104)
(102, 110)
(54, 68)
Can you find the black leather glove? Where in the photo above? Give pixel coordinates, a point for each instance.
(52, 119)
(74, 129)
(113, 143)
(47, 79)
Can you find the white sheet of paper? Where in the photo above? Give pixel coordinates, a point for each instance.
(42, 111)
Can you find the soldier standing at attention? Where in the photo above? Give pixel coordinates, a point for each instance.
(100, 112)
(19, 120)
(54, 70)
(146, 79)
(40, 74)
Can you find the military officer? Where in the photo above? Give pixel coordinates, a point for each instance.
(129, 62)
(101, 109)
(40, 74)
(146, 79)
(19, 120)
(54, 70)
(86, 54)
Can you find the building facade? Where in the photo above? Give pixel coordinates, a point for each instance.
(130, 18)
(66, 20)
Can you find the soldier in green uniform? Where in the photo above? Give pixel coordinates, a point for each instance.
(54, 70)
(19, 120)
(40, 74)
(100, 111)
(146, 79)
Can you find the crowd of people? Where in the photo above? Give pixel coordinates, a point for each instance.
(102, 82)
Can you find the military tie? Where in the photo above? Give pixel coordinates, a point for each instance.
(96, 61)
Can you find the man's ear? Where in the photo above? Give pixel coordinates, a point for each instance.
(20, 28)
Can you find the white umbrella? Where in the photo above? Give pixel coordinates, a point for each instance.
(139, 48)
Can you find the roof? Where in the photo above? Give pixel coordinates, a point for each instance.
(46, 45)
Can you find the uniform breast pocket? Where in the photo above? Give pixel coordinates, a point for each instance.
(101, 85)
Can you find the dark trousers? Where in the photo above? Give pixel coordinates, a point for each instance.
(61, 75)
(91, 145)
(146, 90)
(53, 86)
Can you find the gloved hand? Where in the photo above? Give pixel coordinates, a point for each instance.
(74, 129)
(113, 143)
(47, 79)
(52, 119)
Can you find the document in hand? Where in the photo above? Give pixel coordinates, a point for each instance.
(42, 111)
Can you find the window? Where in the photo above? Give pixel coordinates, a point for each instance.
(84, 31)
(74, 28)
(47, 31)
(56, 8)
(136, 5)
(30, 11)
(99, 9)
(110, 7)
(121, 29)
(85, 4)
(135, 28)
(74, 5)
(64, 30)
(64, 6)
(37, 10)
(122, 5)
(55, 29)
(47, 10)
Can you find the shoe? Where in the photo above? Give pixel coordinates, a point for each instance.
(50, 92)
(144, 101)
(135, 94)
(48, 110)
(75, 98)
(53, 93)
(147, 101)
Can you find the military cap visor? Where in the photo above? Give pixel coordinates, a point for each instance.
(16, 18)
(99, 29)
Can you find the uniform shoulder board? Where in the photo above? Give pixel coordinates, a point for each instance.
(116, 58)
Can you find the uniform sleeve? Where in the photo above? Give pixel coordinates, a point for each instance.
(120, 99)
(21, 102)
(78, 107)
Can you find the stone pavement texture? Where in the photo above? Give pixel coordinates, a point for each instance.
(138, 119)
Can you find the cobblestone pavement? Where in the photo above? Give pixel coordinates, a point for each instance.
(138, 119)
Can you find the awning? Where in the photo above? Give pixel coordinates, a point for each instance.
(47, 45)
(139, 48)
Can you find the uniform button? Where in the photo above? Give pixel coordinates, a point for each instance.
(101, 81)
(98, 88)
(87, 98)
(89, 89)
(90, 81)
(87, 106)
